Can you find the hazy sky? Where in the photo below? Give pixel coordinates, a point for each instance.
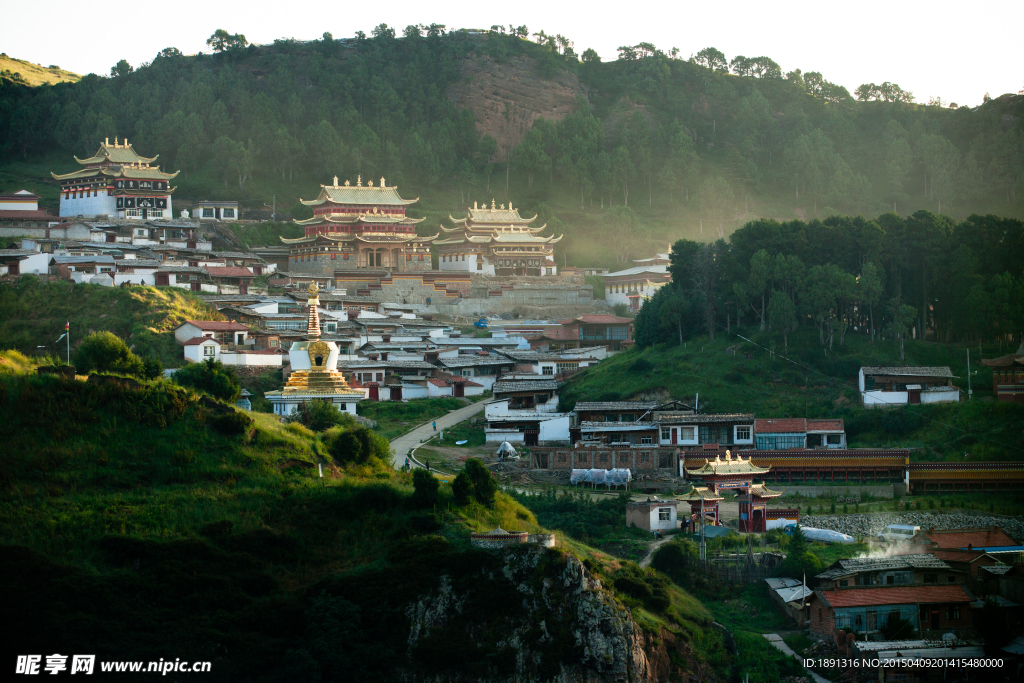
(957, 51)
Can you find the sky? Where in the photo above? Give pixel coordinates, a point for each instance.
(956, 51)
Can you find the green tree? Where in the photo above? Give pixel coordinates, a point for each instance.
(462, 489)
(222, 41)
(152, 368)
(425, 487)
(320, 415)
(901, 317)
(360, 446)
(711, 58)
(870, 288)
(782, 316)
(210, 376)
(122, 68)
(105, 352)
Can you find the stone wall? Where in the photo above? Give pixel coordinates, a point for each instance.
(879, 491)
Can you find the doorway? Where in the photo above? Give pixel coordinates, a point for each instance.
(458, 390)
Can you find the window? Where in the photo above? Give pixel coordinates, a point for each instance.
(561, 457)
(951, 578)
(953, 613)
(273, 343)
(209, 351)
(408, 257)
(548, 370)
(664, 514)
(207, 213)
(664, 460)
(604, 457)
(777, 442)
(132, 213)
(467, 373)
(228, 213)
(930, 578)
(687, 433)
(844, 582)
(646, 440)
(743, 433)
(156, 213)
(665, 435)
(645, 457)
(835, 439)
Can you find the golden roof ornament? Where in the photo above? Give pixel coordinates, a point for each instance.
(728, 454)
(382, 181)
(369, 183)
(115, 141)
(359, 180)
(492, 203)
(474, 205)
(335, 181)
(313, 289)
(346, 182)
(502, 207)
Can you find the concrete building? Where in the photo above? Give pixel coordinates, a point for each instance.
(882, 387)
(652, 515)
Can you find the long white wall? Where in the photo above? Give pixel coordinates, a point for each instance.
(100, 205)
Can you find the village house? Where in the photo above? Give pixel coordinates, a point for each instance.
(23, 262)
(231, 279)
(633, 286)
(21, 210)
(692, 431)
(484, 369)
(866, 610)
(882, 387)
(215, 211)
(224, 331)
(1008, 376)
(798, 432)
(897, 570)
(525, 410)
(81, 268)
(652, 515)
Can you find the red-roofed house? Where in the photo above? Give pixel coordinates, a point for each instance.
(778, 434)
(966, 560)
(866, 610)
(224, 331)
(967, 539)
(230, 277)
(452, 385)
(21, 210)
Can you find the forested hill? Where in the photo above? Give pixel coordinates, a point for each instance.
(653, 144)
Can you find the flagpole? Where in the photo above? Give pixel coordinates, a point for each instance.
(67, 333)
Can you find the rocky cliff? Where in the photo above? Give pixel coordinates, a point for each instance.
(570, 628)
(507, 97)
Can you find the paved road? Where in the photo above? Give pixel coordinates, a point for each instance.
(403, 444)
(776, 640)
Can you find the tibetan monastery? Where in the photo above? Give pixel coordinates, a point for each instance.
(315, 375)
(737, 474)
(358, 226)
(117, 183)
(496, 241)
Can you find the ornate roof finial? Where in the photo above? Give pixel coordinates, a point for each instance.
(728, 454)
(335, 181)
(106, 142)
(346, 182)
(115, 141)
(474, 205)
(382, 181)
(502, 207)
(359, 180)
(369, 182)
(126, 142)
(492, 203)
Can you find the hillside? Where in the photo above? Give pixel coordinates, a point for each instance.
(33, 313)
(651, 147)
(138, 524)
(19, 72)
(733, 375)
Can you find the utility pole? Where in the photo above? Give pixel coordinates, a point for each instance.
(67, 334)
(969, 391)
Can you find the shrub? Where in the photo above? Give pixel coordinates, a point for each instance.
(152, 368)
(231, 423)
(485, 487)
(360, 446)
(425, 487)
(105, 352)
(462, 488)
(210, 376)
(832, 507)
(320, 415)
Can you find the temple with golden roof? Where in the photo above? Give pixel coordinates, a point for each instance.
(314, 375)
(116, 182)
(736, 474)
(358, 226)
(496, 241)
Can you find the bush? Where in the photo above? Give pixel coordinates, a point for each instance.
(212, 377)
(320, 415)
(425, 487)
(231, 423)
(485, 487)
(360, 446)
(105, 352)
(462, 488)
(152, 368)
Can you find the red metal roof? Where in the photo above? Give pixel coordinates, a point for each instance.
(898, 595)
(600, 319)
(958, 555)
(217, 325)
(780, 425)
(196, 341)
(229, 271)
(438, 382)
(982, 538)
(40, 214)
(825, 425)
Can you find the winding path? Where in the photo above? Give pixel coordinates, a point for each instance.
(403, 444)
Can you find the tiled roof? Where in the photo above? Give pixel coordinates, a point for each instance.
(690, 418)
(616, 405)
(783, 425)
(438, 382)
(216, 325)
(898, 595)
(825, 425)
(229, 271)
(863, 564)
(914, 371)
(981, 538)
(998, 569)
(532, 385)
(617, 426)
(17, 252)
(558, 334)
(28, 214)
(196, 341)
(601, 319)
(473, 361)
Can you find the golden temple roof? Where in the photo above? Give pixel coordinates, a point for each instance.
(494, 215)
(729, 466)
(124, 171)
(699, 493)
(116, 154)
(359, 194)
(762, 491)
(351, 218)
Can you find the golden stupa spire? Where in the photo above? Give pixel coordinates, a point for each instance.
(313, 322)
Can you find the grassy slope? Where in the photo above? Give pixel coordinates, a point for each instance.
(775, 387)
(33, 313)
(138, 530)
(36, 74)
(395, 419)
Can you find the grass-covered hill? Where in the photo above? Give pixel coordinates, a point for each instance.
(19, 72)
(137, 523)
(624, 156)
(733, 375)
(33, 313)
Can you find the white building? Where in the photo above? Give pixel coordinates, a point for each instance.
(215, 211)
(882, 387)
(633, 286)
